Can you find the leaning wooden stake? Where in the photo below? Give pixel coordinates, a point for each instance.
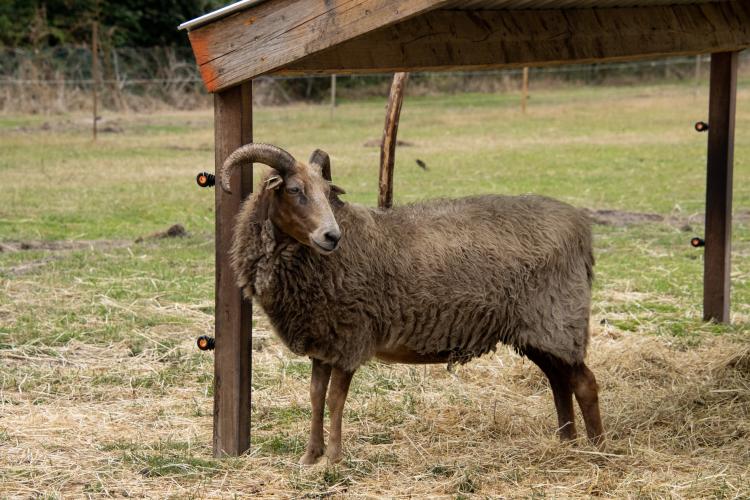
(388, 145)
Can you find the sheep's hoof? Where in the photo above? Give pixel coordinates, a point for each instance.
(333, 458)
(311, 457)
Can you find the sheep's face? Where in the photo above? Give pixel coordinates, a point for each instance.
(300, 207)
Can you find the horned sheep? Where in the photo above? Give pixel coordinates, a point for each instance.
(438, 282)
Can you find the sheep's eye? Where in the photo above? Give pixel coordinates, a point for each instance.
(293, 190)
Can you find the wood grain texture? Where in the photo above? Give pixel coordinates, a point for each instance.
(721, 118)
(469, 40)
(232, 363)
(272, 34)
(388, 144)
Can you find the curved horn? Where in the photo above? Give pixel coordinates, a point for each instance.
(321, 160)
(273, 156)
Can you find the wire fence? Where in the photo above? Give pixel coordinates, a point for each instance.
(63, 79)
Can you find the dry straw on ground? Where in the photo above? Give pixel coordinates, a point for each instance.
(84, 421)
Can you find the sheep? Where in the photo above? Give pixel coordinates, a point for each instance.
(438, 282)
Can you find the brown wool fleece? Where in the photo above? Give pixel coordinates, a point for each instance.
(451, 278)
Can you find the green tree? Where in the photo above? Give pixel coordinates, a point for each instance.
(128, 23)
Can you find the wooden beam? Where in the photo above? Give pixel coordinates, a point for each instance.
(721, 113)
(232, 363)
(272, 34)
(466, 40)
(389, 142)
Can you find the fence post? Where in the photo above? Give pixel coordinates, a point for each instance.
(525, 89)
(333, 94)
(697, 74)
(95, 69)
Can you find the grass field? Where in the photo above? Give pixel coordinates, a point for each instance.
(103, 392)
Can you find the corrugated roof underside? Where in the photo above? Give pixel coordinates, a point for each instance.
(559, 4)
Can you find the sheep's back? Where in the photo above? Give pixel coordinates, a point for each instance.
(477, 271)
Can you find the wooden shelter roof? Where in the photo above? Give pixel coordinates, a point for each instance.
(256, 37)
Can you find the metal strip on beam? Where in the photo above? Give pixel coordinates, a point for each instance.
(218, 14)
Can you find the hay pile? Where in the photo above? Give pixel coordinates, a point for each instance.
(110, 421)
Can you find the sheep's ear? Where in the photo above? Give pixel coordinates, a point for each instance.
(333, 197)
(320, 160)
(274, 181)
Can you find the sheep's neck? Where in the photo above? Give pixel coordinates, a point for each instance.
(284, 269)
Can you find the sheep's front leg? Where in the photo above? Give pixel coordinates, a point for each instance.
(321, 374)
(340, 381)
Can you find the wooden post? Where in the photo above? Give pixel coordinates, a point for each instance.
(388, 145)
(232, 363)
(721, 111)
(697, 74)
(525, 89)
(95, 71)
(333, 94)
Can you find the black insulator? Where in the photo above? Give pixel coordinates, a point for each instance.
(206, 343)
(697, 242)
(204, 179)
(701, 126)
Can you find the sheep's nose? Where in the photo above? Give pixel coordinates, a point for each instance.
(333, 236)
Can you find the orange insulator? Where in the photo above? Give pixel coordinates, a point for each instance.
(204, 179)
(206, 343)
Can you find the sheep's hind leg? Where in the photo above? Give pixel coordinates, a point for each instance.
(559, 375)
(321, 374)
(586, 390)
(337, 393)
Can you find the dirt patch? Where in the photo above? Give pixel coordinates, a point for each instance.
(104, 126)
(683, 222)
(175, 147)
(375, 143)
(61, 245)
(622, 218)
(174, 231)
(111, 128)
(57, 248)
(742, 216)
